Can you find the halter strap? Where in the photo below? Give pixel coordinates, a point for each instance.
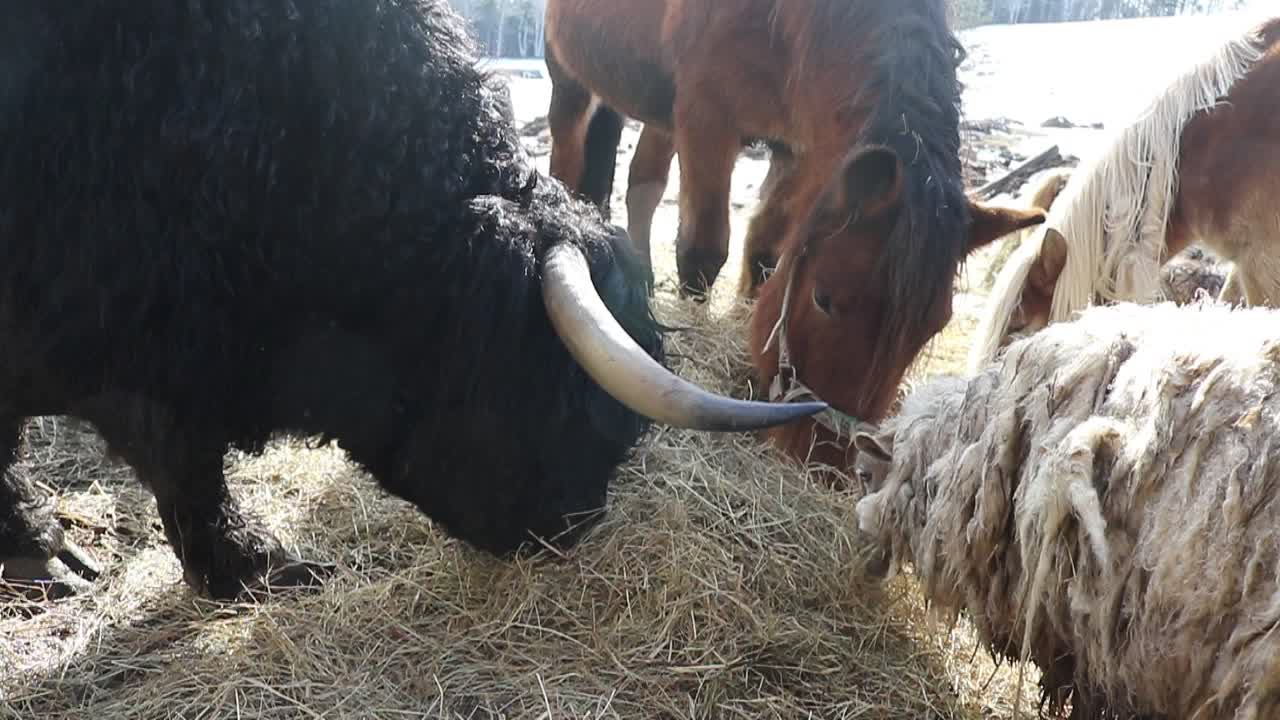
(786, 385)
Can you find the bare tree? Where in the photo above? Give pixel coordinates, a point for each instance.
(976, 12)
(506, 27)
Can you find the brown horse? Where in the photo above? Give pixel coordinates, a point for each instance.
(1042, 199)
(861, 93)
(1187, 277)
(1200, 166)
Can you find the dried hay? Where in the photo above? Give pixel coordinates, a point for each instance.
(721, 584)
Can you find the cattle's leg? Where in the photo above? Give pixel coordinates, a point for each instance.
(768, 226)
(646, 184)
(223, 550)
(33, 551)
(707, 152)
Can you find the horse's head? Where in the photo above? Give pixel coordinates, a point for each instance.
(867, 278)
(1035, 302)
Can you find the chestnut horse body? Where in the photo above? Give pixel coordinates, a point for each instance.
(1200, 166)
(706, 77)
(609, 59)
(865, 219)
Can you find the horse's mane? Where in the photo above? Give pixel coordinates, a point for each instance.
(1114, 211)
(914, 98)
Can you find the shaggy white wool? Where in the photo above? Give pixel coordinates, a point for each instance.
(1103, 501)
(1114, 210)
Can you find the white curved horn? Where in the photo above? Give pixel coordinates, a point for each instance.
(609, 355)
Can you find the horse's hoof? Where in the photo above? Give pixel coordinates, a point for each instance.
(697, 293)
(697, 270)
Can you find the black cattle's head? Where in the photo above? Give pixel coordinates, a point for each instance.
(552, 372)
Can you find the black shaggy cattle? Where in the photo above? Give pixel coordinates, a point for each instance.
(220, 219)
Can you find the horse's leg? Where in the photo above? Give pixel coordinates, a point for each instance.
(646, 184)
(568, 118)
(1232, 291)
(708, 150)
(1259, 277)
(600, 156)
(33, 551)
(768, 225)
(223, 550)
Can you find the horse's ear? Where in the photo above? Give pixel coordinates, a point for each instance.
(1050, 189)
(870, 183)
(1053, 257)
(991, 223)
(876, 445)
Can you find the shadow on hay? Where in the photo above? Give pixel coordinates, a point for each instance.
(64, 457)
(709, 588)
(722, 583)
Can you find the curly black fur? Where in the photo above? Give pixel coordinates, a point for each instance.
(220, 219)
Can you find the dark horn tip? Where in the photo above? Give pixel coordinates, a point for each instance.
(763, 416)
(803, 409)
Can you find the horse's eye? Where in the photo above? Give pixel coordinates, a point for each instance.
(822, 301)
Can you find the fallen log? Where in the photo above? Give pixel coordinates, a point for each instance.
(1015, 178)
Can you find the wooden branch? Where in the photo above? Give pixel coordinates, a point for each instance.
(1014, 179)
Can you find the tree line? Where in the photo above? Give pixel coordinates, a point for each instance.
(968, 13)
(506, 28)
(514, 28)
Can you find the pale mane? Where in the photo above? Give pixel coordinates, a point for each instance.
(1115, 209)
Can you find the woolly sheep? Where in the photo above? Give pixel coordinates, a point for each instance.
(1102, 500)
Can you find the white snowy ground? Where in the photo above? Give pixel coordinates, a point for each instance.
(1091, 72)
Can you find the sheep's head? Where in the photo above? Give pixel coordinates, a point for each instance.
(875, 458)
(893, 464)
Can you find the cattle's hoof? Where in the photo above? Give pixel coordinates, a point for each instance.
(294, 574)
(69, 572)
(79, 561)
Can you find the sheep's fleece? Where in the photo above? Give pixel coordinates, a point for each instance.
(1102, 500)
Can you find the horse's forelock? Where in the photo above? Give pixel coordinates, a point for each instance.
(918, 115)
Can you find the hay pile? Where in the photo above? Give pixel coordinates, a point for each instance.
(721, 584)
